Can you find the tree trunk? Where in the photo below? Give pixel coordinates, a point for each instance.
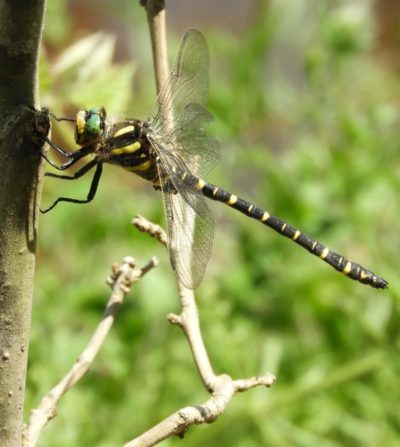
(20, 31)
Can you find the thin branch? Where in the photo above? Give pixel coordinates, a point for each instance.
(222, 387)
(179, 422)
(120, 280)
(188, 320)
(156, 18)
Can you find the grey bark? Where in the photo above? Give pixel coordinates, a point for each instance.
(20, 31)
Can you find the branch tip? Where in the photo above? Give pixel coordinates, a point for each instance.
(130, 261)
(175, 319)
(266, 380)
(154, 230)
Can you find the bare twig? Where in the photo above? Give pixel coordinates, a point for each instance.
(156, 18)
(180, 421)
(222, 387)
(120, 280)
(188, 320)
(150, 228)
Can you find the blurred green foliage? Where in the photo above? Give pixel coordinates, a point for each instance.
(308, 121)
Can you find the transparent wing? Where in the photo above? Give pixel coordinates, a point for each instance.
(190, 222)
(179, 136)
(188, 82)
(190, 140)
(179, 113)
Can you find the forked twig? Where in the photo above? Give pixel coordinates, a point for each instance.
(221, 387)
(180, 421)
(120, 280)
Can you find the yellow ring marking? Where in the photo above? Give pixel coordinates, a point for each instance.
(325, 253)
(265, 216)
(232, 200)
(200, 184)
(296, 235)
(347, 268)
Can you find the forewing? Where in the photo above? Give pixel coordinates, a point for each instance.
(179, 113)
(187, 83)
(190, 139)
(179, 136)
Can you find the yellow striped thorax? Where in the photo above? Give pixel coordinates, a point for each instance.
(89, 126)
(130, 148)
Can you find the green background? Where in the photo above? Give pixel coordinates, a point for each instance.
(305, 96)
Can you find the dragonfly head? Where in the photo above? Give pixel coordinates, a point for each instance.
(90, 126)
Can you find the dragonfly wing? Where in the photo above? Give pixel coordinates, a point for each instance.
(188, 81)
(190, 236)
(189, 219)
(179, 112)
(190, 138)
(179, 137)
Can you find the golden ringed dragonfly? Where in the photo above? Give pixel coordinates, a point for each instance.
(174, 152)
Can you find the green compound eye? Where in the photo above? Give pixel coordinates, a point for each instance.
(93, 125)
(89, 126)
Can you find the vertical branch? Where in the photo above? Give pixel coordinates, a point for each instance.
(20, 31)
(156, 18)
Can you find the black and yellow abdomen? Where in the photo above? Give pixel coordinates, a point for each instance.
(337, 261)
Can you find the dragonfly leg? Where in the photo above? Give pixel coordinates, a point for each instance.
(78, 174)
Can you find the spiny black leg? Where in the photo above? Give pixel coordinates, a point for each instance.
(73, 156)
(77, 154)
(62, 167)
(62, 118)
(80, 173)
(84, 169)
(59, 149)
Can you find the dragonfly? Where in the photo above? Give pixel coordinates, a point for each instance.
(174, 151)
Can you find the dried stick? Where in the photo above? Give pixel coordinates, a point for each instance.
(120, 280)
(180, 421)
